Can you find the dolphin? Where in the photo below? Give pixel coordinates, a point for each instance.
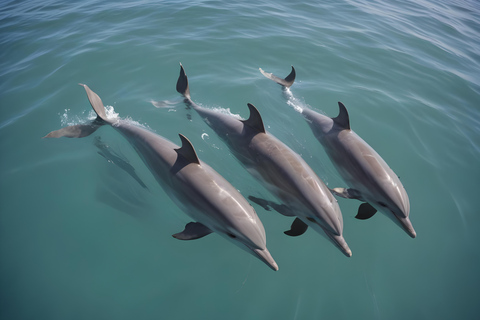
(282, 171)
(203, 194)
(368, 176)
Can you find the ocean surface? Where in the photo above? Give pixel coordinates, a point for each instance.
(85, 230)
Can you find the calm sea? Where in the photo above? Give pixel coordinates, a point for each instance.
(85, 230)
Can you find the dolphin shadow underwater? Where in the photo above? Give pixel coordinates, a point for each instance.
(367, 175)
(203, 194)
(119, 186)
(117, 159)
(281, 171)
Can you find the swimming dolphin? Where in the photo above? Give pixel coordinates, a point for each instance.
(211, 201)
(282, 171)
(369, 177)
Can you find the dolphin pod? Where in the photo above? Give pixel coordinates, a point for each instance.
(211, 201)
(282, 171)
(368, 176)
(216, 206)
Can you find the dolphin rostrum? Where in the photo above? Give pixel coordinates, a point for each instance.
(368, 176)
(211, 201)
(282, 171)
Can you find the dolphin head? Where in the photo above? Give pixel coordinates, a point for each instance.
(245, 230)
(336, 239)
(399, 215)
(327, 220)
(396, 206)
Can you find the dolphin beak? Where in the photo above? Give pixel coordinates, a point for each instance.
(266, 257)
(347, 252)
(342, 245)
(337, 240)
(406, 225)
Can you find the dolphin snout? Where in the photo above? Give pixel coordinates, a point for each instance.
(337, 240)
(410, 231)
(343, 246)
(407, 226)
(266, 257)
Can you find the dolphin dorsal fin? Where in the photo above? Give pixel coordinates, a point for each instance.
(182, 83)
(187, 151)
(342, 119)
(255, 120)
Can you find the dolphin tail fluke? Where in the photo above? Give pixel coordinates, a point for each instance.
(96, 103)
(287, 82)
(76, 131)
(84, 130)
(182, 83)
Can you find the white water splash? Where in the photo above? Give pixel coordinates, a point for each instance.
(293, 102)
(227, 112)
(109, 112)
(165, 103)
(68, 119)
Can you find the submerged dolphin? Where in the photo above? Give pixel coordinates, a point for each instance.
(111, 156)
(283, 172)
(195, 187)
(369, 177)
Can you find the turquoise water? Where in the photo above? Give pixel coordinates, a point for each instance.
(80, 238)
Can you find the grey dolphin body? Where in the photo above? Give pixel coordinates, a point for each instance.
(368, 176)
(283, 172)
(213, 203)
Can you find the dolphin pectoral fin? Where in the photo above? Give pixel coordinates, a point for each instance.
(76, 131)
(365, 211)
(84, 130)
(298, 228)
(347, 193)
(268, 205)
(282, 209)
(287, 82)
(261, 202)
(193, 230)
